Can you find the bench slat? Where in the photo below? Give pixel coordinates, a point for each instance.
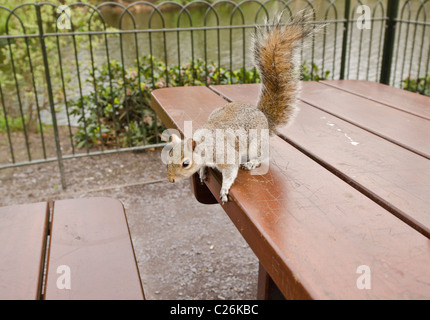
(322, 230)
(180, 104)
(23, 230)
(310, 229)
(386, 172)
(400, 99)
(91, 238)
(404, 129)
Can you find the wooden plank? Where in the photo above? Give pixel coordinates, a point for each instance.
(407, 101)
(401, 128)
(90, 241)
(311, 230)
(247, 93)
(23, 230)
(177, 105)
(391, 175)
(404, 129)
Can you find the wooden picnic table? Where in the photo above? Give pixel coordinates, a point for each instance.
(70, 249)
(346, 201)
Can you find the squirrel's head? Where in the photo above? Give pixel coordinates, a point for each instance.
(182, 161)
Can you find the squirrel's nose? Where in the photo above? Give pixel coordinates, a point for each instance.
(171, 179)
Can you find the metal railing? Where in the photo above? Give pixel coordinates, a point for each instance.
(75, 79)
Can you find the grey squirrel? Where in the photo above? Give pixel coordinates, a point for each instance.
(227, 132)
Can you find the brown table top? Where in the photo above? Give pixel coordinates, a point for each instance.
(89, 254)
(348, 185)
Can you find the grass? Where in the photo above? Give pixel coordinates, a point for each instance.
(14, 124)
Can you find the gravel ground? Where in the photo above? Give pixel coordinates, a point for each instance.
(185, 250)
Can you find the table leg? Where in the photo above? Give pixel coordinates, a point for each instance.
(267, 289)
(201, 191)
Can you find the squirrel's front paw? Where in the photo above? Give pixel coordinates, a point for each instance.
(223, 196)
(203, 174)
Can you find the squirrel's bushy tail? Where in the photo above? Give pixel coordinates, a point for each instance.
(274, 46)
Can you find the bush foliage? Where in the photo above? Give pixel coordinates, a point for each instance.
(117, 111)
(420, 85)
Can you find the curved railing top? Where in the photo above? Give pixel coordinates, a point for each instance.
(13, 21)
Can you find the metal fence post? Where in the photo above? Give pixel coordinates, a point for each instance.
(51, 99)
(345, 39)
(390, 32)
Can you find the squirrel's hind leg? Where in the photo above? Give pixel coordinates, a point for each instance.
(251, 164)
(252, 159)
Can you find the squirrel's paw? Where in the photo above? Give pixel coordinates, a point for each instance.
(223, 196)
(203, 174)
(251, 164)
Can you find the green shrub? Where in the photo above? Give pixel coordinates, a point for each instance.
(313, 73)
(118, 110)
(32, 81)
(420, 85)
(13, 124)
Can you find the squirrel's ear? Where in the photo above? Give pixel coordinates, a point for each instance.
(175, 139)
(191, 144)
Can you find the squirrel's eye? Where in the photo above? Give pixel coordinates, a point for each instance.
(186, 163)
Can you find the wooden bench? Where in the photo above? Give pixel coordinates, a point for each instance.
(73, 249)
(348, 189)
